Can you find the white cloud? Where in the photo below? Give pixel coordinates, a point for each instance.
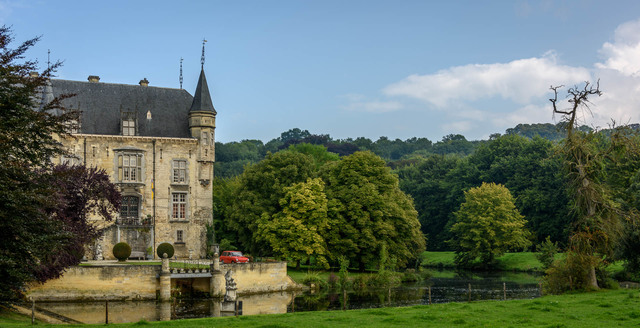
(519, 81)
(485, 98)
(623, 55)
(527, 115)
(619, 75)
(620, 100)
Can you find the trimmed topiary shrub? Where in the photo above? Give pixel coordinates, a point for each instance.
(121, 251)
(165, 248)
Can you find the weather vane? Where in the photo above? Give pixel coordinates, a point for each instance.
(202, 58)
(180, 72)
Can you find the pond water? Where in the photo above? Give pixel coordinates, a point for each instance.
(444, 286)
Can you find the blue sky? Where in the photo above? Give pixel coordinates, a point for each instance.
(398, 69)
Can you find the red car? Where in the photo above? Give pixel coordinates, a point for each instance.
(233, 257)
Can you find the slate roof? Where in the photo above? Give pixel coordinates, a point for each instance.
(102, 105)
(202, 99)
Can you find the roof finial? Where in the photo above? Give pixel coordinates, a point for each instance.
(180, 72)
(48, 59)
(202, 58)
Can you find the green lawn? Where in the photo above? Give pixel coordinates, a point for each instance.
(618, 308)
(522, 261)
(299, 275)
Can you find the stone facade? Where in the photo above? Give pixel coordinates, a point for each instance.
(157, 145)
(154, 191)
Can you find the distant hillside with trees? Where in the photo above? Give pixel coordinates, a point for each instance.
(231, 157)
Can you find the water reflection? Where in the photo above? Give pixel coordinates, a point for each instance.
(445, 286)
(134, 311)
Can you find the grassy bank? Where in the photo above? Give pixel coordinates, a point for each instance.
(595, 309)
(522, 261)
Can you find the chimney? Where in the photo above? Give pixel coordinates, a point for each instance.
(144, 82)
(93, 78)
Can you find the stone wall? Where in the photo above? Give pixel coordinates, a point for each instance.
(131, 282)
(113, 282)
(255, 278)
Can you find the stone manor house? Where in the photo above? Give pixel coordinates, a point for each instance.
(157, 144)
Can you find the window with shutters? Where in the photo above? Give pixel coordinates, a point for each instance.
(129, 166)
(179, 172)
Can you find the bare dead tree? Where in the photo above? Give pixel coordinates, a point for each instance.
(597, 218)
(578, 98)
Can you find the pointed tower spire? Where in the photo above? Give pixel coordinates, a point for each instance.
(202, 97)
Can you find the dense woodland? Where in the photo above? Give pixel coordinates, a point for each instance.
(526, 160)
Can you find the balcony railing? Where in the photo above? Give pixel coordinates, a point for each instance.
(134, 222)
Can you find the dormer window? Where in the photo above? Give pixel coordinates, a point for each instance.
(128, 127)
(72, 126)
(128, 123)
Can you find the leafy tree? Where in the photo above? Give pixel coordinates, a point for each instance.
(223, 198)
(544, 130)
(318, 153)
(428, 184)
(293, 135)
(297, 232)
(43, 208)
(487, 225)
(547, 251)
(367, 209)
(453, 144)
(342, 148)
(232, 157)
(531, 170)
(364, 143)
(259, 191)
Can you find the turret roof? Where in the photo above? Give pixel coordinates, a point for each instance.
(202, 98)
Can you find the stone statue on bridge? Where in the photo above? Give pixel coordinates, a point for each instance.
(230, 294)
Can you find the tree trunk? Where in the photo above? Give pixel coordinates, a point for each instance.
(593, 281)
(298, 265)
(362, 268)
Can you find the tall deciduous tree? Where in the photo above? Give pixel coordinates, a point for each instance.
(298, 231)
(487, 225)
(367, 209)
(259, 191)
(429, 184)
(43, 209)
